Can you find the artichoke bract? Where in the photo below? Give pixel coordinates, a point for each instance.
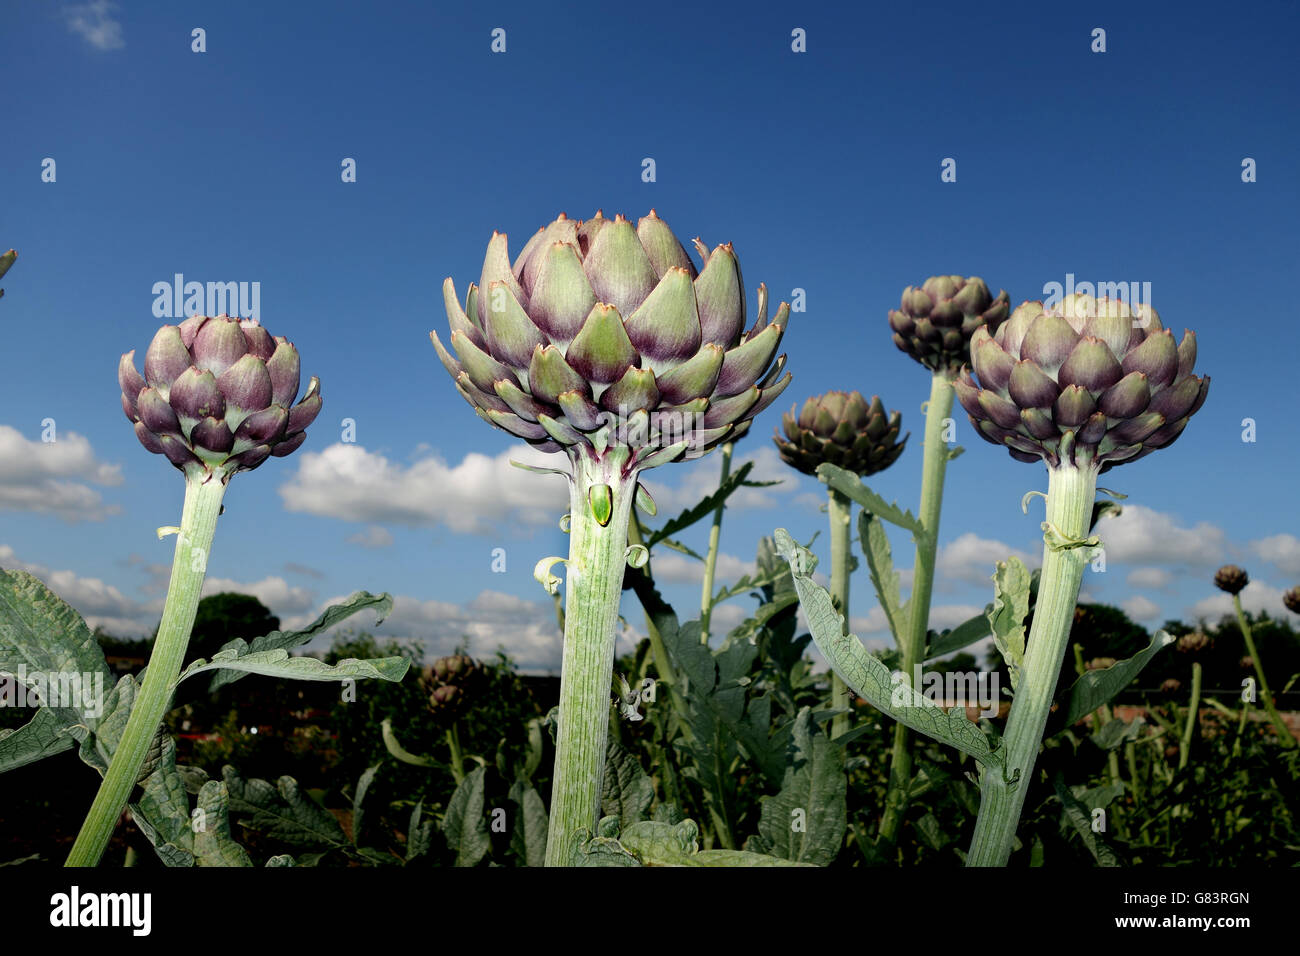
(6, 260)
(217, 396)
(605, 334)
(841, 428)
(934, 322)
(1291, 600)
(1231, 578)
(1090, 381)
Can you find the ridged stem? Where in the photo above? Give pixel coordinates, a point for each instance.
(840, 512)
(1265, 695)
(189, 563)
(1193, 714)
(934, 466)
(1070, 495)
(594, 584)
(711, 558)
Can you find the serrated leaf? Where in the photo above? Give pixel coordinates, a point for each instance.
(847, 483)
(464, 825)
(626, 792)
(1095, 688)
(805, 821)
(381, 604)
(278, 663)
(869, 678)
(703, 508)
(282, 812)
(528, 836)
(880, 564)
(213, 844)
(1007, 615)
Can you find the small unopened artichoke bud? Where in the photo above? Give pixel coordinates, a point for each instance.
(1100, 663)
(1247, 663)
(1231, 578)
(935, 321)
(844, 429)
(1291, 599)
(1171, 686)
(1194, 644)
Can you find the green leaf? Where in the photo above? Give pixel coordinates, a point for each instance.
(419, 833)
(703, 508)
(381, 604)
(278, 663)
(528, 837)
(626, 792)
(44, 735)
(1115, 732)
(163, 810)
(880, 562)
(963, 635)
(1094, 688)
(869, 678)
(847, 483)
(1079, 816)
(213, 844)
(282, 812)
(805, 822)
(1007, 615)
(464, 825)
(363, 785)
(678, 546)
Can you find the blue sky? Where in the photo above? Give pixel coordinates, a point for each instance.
(822, 167)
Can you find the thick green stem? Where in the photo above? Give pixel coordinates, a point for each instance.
(1193, 714)
(193, 544)
(711, 559)
(1070, 495)
(597, 556)
(1265, 695)
(840, 511)
(934, 466)
(457, 760)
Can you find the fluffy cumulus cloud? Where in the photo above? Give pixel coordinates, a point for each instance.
(1280, 550)
(1142, 535)
(273, 591)
(54, 477)
(95, 23)
(970, 559)
(1141, 609)
(476, 495)
(1256, 598)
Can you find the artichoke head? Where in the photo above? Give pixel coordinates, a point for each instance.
(1291, 600)
(840, 428)
(1086, 382)
(603, 334)
(1231, 578)
(935, 321)
(217, 396)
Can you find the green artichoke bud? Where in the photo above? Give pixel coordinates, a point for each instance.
(1291, 599)
(605, 335)
(934, 323)
(217, 396)
(1088, 381)
(1194, 644)
(841, 428)
(6, 261)
(1231, 578)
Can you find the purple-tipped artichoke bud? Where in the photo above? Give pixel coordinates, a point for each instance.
(6, 261)
(1194, 644)
(935, 321)
(604, 337)
(1087, 382)
(217, 396)
(1231, 578)
(841, 428)
(1291, 600)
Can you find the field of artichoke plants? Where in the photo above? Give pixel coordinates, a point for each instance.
(608, 344)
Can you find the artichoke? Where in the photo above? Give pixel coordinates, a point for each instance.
(6, 261)
(217, 396)
(1171, 686)
(1231, 578)
(451, 683)
(604, 334)
(934, 323)
(1194, 644)
(842, 429)
(1291, 599)
(1088, 382)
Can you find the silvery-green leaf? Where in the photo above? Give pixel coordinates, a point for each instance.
(213, 844)
(1094, 688)
(528, 833)
(880, 563)
(849, 484)
(278, 663)
(813, 794)
(464, 825)
(1008, 612)
(626, 792)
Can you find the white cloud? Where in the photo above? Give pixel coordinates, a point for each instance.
(1255, 597)
(1280, 550)
(94, 23)
(474, 496)
(99, 603)
(1142, 535)
(676, 567)
(273, 591)
(970, 559)
(1155, 579)
(375, 536)
(49, 477)
(699, 478)
(1141, 608)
